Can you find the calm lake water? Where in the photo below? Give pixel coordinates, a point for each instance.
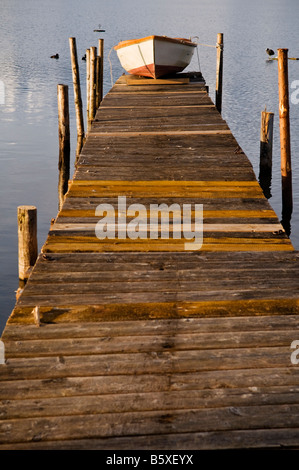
(32, 30)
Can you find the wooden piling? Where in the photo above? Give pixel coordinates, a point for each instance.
(285, 140)
(266, 145)
(100, 69)
(64, 141)
(93, 83)
(219, 72)
(266, 139)
(87, 86)
(77, 95)
(27, 240)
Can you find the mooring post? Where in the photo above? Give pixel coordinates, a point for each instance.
(93, 83)
(87, 86)
(77, 95)
(285, 139)
(64, 141)
(266, 145)
(100, 70)
(27, 240)
(219, 72)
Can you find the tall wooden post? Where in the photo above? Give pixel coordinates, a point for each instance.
(27, 240)
(100, 70)
(77, 95)
(64, 141)
(87, 86)
(219, 72)
(285, 139)
(266, 144)
(93, 83)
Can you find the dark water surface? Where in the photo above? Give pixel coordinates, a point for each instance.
(32, 30)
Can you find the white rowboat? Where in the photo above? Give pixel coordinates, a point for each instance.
(155, 56)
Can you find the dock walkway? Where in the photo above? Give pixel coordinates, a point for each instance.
(140, 343)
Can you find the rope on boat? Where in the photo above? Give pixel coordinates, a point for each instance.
(207, 45)
(199, 69)
(201, 44)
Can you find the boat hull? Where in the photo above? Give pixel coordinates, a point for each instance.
(155, 56)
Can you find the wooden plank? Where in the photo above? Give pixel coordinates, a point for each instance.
(171, 184)
(142, 402)
(157, 107)
(217, 131)
(116, 310)
(194, 77)
(254, 380)
(237, 215)
(143, 343)
(147, 174)
(188, 289)
(177, 189)
(168, 260)
(157, 422)
(159, 93)
(206, 227)
(172, 113)
(144, 363)
(159, 145)
(92, 244)
(196, 164)
(265, 439)
(154, 99)
(157, 81)
(155, 327)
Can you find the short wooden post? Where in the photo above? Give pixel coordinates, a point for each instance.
(219, 72)
(87, 86)
(93, 83)
(100, 70)
(27, 240)
(285, 139)
(266, 144)
(266, 139)
(64, 141)
(77, 95)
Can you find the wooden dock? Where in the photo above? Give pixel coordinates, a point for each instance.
(139, 343)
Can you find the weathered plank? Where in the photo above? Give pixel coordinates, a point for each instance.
(140, 423)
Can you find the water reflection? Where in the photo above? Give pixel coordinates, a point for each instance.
(287, 202)
(265, 180)
(286, 222)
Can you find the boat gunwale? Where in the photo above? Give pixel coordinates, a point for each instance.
(130, 42)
